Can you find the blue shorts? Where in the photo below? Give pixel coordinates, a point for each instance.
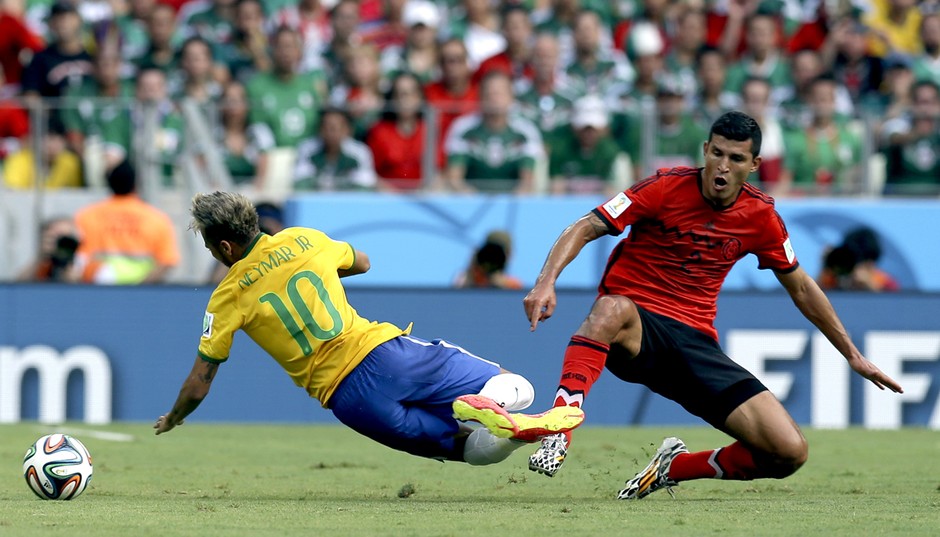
(401, 395)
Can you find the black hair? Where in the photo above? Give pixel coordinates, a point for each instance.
(390, 113)
(705, 50)
(864, 243)
(841, 260)
(924, 83)
(509, 9)
(122, 179)
(342, 112)
(491, 257)
(192, 40)
(739, 127)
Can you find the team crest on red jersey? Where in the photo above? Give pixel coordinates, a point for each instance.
(731, 249)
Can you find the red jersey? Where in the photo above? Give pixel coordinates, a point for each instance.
(681, 247)
(449, 107)
(504, 63)
(397, 156)
(15, 37)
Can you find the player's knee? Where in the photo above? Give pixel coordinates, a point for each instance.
(608, 316)
(788, 456)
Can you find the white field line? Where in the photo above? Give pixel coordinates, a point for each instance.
(100, 435)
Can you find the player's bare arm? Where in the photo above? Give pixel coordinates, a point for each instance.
(359, 266)
(813, 304)
(195, 389)
(539, 303)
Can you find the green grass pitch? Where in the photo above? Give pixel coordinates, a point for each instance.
(258, 480)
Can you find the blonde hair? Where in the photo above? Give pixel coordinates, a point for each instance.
(224, 216)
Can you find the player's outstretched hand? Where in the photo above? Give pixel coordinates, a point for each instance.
(865, 368)
(164, 425)
(539, 304)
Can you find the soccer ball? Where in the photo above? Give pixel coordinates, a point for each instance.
(57, 467)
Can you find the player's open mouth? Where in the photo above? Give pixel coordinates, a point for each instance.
(720, 182)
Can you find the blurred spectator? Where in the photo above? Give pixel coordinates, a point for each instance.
(927, 64)
(689, 37)
(92, 12)
(397, 141)
(283, 104)
(860, 73)
(17, 42)
(247, 51)
(311, 18)
(455, 94)
(487, 267)
(14, 121)
(98, 108)
(712, 99)
(494, 150)
(755, 96)
(653, 13)
(894, 25)
(912, 144)
(824, 156)
(197, 78)
(582, 154)
(793, 99)
(390, 30)
(678, 140)
(762, 57)
(594, 70)
(645, 49)
(62, 167)
(540, 100)
(132, 241)
(131, 18)
(359, 92)
(151, 93)
(161, 50)
(516, 59)
(212, 20)
(334, 161)
(344, 23)
(239, 153)
(894, 99)
(479, 28)
(558, 21)
(853, 265)
(58, 241)
(64, 62)
(418, 55)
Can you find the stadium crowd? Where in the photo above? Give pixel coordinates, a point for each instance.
(520, 96)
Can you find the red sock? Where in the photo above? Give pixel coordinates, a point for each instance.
(734, 462)
(584, 361)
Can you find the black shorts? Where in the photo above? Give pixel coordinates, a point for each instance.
(687, 366)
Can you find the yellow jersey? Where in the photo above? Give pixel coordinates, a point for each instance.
(285, 293)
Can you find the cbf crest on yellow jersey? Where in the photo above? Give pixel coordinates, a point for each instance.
(285, 293)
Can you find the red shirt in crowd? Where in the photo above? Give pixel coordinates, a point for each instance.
(15, 37)
(449, 107)
(397, 155)
(504, 63)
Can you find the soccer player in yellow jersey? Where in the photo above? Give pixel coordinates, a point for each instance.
(284, 291)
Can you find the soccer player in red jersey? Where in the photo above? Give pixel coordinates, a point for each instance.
(652, 322)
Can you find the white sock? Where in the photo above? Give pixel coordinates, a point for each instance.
(483, 448)
(513, 392)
